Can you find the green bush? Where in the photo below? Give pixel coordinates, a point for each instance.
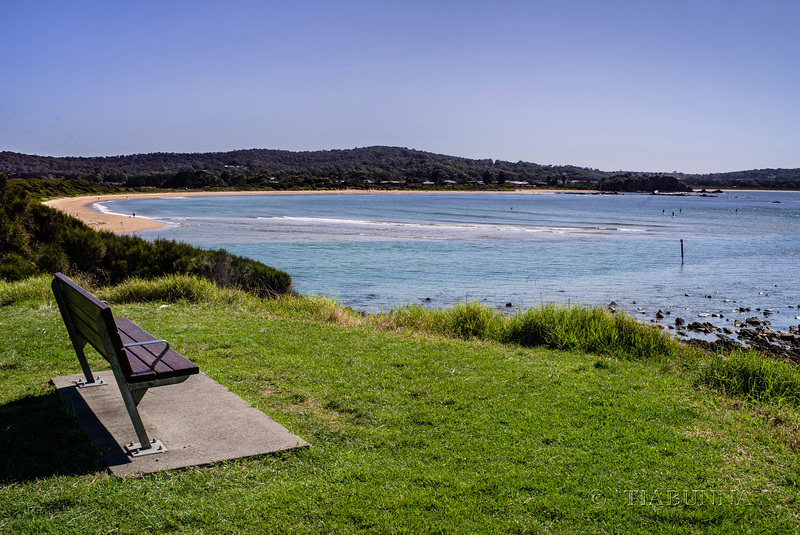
(52, 259)
(41, 189)
(14, 266)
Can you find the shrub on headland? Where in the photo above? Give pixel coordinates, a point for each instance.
(36, 239)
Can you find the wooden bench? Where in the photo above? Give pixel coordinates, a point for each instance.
(139, 360)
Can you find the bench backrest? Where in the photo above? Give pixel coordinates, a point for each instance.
(89, 320)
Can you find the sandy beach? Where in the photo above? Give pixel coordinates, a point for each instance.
(83, 207)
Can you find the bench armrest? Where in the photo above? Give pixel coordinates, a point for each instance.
(148, 342)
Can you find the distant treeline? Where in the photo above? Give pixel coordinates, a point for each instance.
(373, 167)
(264, 168)
(756, 178)
(36, 239)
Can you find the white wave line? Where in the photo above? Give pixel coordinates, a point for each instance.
(102, 208)
(442, 226)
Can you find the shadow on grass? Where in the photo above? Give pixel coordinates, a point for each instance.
(39, 437)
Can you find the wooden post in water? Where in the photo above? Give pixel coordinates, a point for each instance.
(681, 250)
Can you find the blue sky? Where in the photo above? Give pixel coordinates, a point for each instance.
(645, 85)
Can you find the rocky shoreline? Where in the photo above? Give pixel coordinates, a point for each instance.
(753, 333)
(748, 333)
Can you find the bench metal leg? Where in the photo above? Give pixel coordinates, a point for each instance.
(138, 394)
(145, 446)
(132, 399)
(87, 371)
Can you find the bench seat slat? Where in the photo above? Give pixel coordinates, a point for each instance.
(172, 365)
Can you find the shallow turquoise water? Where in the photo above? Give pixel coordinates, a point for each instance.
(377, 251)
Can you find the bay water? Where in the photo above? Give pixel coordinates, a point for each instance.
(376, 251)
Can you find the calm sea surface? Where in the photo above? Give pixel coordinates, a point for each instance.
(377, 251)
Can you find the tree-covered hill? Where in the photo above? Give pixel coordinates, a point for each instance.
(359, 167)
(247, 167)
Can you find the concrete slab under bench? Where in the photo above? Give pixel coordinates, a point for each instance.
(198, 421)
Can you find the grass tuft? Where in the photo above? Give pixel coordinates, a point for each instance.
(753, 376)
(472, 320)
(317, 307)
(574, 328)
(32, 291)
(594, 330)
(170, 289)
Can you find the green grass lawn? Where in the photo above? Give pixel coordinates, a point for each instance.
(409, 432)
